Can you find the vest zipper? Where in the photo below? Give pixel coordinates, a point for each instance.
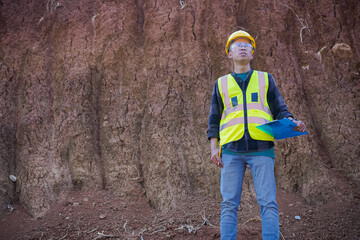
(245, 115)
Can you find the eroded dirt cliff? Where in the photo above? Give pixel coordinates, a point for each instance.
(115, 95)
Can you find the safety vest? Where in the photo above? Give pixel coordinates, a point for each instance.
(240, 111)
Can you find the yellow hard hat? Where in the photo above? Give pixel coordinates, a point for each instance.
(239, 34)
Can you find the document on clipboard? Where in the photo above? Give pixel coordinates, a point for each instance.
(280, 129)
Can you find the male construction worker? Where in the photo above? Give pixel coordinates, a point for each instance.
(242, 100)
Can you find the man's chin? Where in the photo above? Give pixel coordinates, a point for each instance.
(243, 61)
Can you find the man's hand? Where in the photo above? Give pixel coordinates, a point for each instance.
(215, 158)
(215, 153)
(300, 126)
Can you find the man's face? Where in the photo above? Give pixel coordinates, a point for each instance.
(241, 49)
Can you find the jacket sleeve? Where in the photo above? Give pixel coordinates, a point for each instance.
(276, 103)
(216, 109)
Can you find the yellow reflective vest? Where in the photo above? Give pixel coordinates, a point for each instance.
(242, 111)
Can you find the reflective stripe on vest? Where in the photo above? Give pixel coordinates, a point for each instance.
(232, 123)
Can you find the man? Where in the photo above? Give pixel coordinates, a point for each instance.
(241, 101)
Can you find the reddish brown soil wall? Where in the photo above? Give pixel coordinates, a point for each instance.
(116, 95)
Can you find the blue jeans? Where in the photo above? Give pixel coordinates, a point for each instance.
(232, 175)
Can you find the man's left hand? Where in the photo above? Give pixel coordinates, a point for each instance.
(300, 126)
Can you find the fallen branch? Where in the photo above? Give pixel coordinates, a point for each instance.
(90, 231)
(282, 235)
(190, 228)
(125, 225)
(142, 232)
(206, 221)
(103, 235)
(63, 237)
(160, 230)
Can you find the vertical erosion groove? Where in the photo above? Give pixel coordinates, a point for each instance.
(95, 81)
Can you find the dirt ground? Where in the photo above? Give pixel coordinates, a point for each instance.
(102, 215)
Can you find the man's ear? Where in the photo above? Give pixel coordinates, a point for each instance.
(229, 55)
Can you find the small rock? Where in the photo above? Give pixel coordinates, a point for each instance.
(290, 205)
(171, 220)
(76, 204)
(102, 216)
(305, 67)
(342, 50)
(10, 207)
(85, 199)
(67, 218)
(13, 178)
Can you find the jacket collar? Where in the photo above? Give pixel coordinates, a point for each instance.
(233, 74)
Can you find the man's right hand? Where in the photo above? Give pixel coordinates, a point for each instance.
(215, 158)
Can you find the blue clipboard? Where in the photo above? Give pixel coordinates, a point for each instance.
(280, 129)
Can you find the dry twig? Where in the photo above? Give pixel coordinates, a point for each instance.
(63, 237)
(282, 235)
(142, 232)
(190, 228)
(42, 234)
(162, 229)
(125, 225)
(206, 221)
(183, 4)
(137, 173)
(302, 22)
(90, 231)
(252, 219)
(103, 235)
